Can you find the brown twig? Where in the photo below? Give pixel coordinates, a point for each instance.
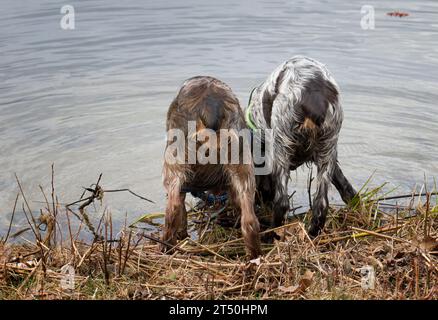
(131, 192)
(408, 196)
(12, 219)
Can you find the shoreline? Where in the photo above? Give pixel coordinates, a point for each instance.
(370, 249)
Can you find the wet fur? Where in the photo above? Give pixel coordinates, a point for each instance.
(212, 105)
(300, 102)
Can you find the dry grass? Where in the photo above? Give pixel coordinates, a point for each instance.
(399, 242)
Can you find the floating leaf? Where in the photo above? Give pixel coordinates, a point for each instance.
(148, 217)
(397, 14)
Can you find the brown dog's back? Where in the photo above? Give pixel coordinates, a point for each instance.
(206, 100)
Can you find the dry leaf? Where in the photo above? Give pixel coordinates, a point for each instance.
(261, 286)
(306, 280)
(428, 244)
(291, 289)
(375, 262)
(347, 266)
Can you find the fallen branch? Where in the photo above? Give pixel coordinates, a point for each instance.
(97, 193)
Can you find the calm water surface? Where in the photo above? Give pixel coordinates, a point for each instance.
(94, 99)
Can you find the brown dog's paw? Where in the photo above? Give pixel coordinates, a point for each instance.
(181, 235)
(167, 246)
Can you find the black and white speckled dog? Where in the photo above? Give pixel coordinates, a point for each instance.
(300, 102)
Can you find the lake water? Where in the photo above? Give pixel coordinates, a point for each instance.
(94, 99)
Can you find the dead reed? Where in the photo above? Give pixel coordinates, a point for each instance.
(394, 242)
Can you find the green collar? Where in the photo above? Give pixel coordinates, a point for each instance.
(248, 117)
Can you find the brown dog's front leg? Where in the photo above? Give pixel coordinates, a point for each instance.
(182, 230)
(250, 226)
(243, 193)
(174, 220)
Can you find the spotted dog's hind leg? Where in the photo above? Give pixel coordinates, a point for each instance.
(280, 204)
(343, 186)
(281, 198)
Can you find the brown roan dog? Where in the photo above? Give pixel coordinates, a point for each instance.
(211, 105)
